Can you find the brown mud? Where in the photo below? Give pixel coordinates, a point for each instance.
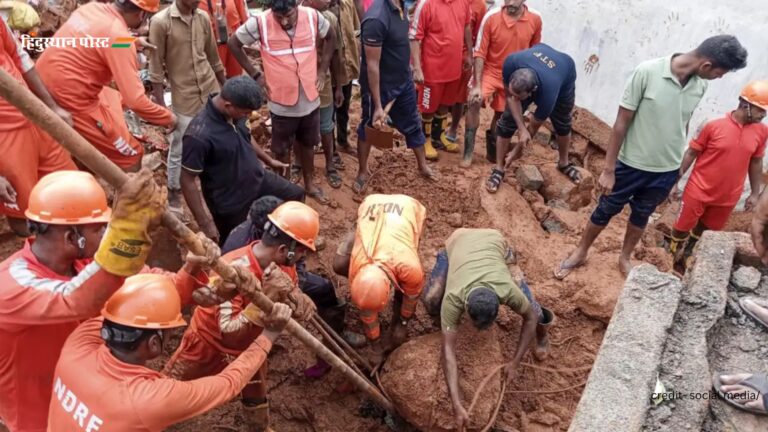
(541, 230)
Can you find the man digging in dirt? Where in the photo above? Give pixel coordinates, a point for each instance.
(386, 81)
(79, 78)
(65, 273)
(647, 143)
(380, 254)
(103, 364)
(331, 308)
(471, 275)
(734, 144)
(509, 29)
(219, 333)
(287, 36)
(546, 77)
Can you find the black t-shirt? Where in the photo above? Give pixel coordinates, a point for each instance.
(555, 71)
(384, 26)
(220, 152)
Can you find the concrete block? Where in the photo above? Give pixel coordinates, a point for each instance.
(592, 128)
(557, 186)
(529, 177)
(746, 278)
(617, 395)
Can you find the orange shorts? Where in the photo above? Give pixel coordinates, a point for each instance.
(692, 211)
(28, 154)
(493, 90)
(196, 358)
(105, 128)
(432, 96)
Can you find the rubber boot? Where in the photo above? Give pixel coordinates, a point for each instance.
(677, 247)
(543, 326)
(429, 152)
(257, 417)
(469, 148)
(490, 146)
(439, 140)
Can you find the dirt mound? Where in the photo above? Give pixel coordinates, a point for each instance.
(413, 377)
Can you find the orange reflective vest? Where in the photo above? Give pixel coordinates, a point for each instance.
(289, 62)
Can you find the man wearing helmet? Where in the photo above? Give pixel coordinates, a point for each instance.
(80, 254)
(733, 144)
(219, 333)
(79, 77)
(471, 275)
(119, 392)
(380, 254)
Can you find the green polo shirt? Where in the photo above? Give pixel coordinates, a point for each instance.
(476, 258)
(656, 138)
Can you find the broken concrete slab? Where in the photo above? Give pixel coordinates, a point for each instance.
(617, 395)
(746, 278)
(592, 128)
(579, 147)
(529, 177)
(558, 186)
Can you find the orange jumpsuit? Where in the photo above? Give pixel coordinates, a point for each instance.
(388, 232)
(76, 77)
(95, 391)
(218, 334)
(28, 152)
(38, 311)
(236, 15)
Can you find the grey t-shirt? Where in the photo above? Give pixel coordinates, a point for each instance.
(248, 34)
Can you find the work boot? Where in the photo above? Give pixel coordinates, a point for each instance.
(541, 347)
(439, 139)
(447, 145)
(490, 146)
(429, 152)
(257, 417)
(469, 148)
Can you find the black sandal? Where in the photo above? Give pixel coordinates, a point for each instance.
(334, 180)
(494, 181)
(571, 171)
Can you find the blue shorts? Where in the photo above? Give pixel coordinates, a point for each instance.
(642, 190)
(404, 114)
(327, 123)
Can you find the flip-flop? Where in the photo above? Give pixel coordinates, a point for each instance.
(757, 382)
(359, 186)
(757, 300)
(561, 272)
(319, 196)
(334, 180)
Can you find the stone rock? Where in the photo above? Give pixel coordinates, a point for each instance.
(546, 418)
(592, 128)
(532, 197)
(413, 378)
(663, 413)
(557, 186)
(529, 177)
(455, 220)
(579, 147)
(746, 278)
(543, 136)
(557, 203)
(551, 225)
(540, 211)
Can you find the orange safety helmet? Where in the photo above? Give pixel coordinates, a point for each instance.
(147, 5)
(370, 288)
(300, 221)
(145, 301)
(756, 93)
(68, 198)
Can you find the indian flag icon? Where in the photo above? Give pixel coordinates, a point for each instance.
(123, 42)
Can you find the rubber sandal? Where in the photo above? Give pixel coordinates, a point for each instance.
(494, 181)
(571, 171)
(338, 162)
(295, 177)
(333, 178)
(757, 382)
(757, 300)
(359, 186)
(562, 272)
(319, 196)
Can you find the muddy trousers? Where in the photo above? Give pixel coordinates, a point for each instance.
(435, 289)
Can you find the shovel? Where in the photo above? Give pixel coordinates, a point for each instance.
(381, 139)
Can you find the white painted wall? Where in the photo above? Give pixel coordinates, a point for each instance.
(623, 33)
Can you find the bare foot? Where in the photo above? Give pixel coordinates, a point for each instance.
(625, 266)
(428, 174)
(465, 163)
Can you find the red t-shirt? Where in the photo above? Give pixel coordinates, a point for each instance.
(439, 26)
(726, 149)
(501, 35)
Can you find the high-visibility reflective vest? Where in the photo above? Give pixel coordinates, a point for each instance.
(290, 63)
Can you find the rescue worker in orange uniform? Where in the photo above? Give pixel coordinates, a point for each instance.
(380, 254)
(102, 382)
(28, 152)
(227, 16)
(78, 77)
(64, 274)
(218, 334)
